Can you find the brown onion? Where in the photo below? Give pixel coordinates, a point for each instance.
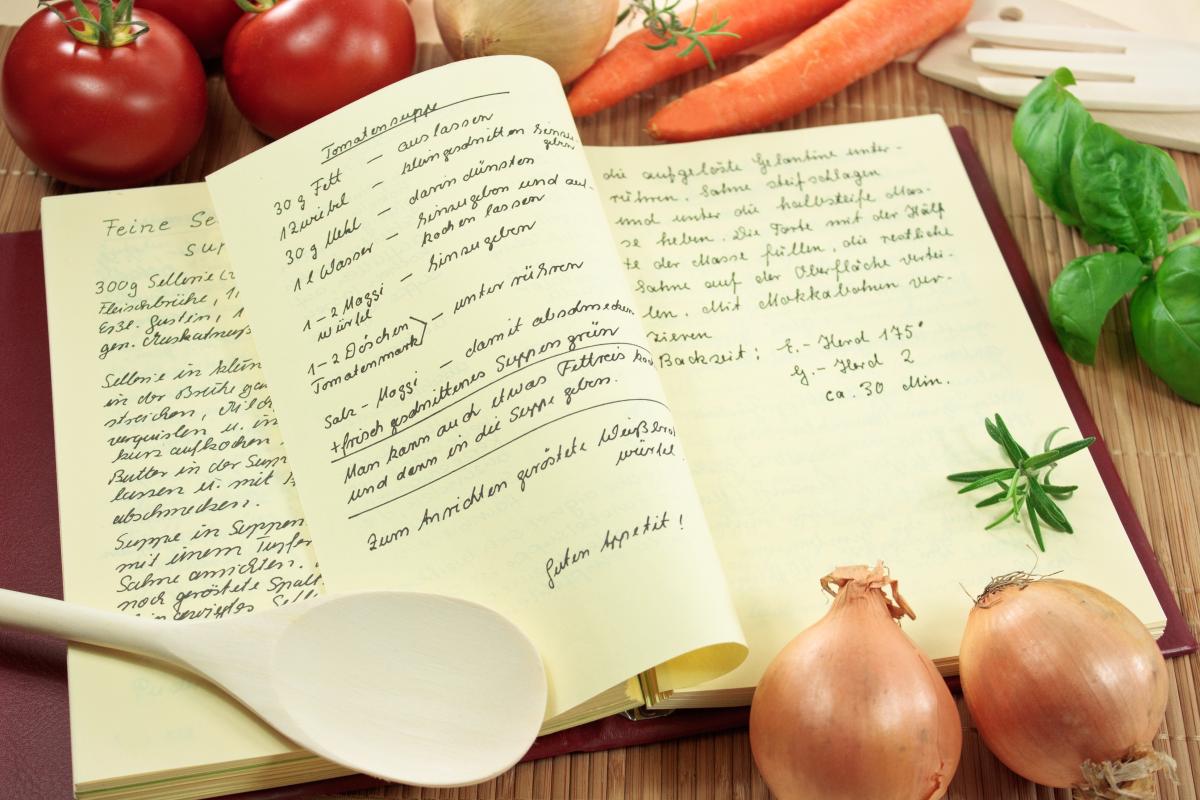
(850, 709)
(1066, 686)
(568, 36)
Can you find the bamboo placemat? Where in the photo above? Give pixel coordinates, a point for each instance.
(1153, 435)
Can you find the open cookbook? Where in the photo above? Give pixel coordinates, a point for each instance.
(639, 400)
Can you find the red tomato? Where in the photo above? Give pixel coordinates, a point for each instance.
(103, 117)
(205, 22)
(301, 59)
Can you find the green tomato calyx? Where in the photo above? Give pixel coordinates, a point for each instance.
(113, 27)
(256, 6)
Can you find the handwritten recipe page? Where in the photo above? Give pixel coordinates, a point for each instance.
(468, 398)
(176, 494)
(832, 321)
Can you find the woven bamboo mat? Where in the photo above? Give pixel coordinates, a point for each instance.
(1154, 438)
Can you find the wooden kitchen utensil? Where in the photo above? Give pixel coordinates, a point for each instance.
(408, 687)
(1115, 70)
(949, 61)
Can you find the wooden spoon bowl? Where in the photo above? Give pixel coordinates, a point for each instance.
(408, 687)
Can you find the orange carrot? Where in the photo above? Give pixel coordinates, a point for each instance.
(851, 43)
(631, 66)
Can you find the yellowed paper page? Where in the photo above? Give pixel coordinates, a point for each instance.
(833, 321)
(175, 494)
(467, 396)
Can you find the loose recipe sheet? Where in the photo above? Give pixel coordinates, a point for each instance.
(177, 500)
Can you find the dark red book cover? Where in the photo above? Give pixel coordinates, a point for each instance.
(35, 757)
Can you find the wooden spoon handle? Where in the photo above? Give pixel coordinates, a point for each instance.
(81, 624)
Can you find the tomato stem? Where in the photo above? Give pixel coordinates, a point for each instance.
(256, 6)
(114, 27)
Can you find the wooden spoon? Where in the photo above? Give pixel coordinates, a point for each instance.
(413, 688)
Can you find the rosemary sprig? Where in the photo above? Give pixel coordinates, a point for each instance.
(662, 21)
(1023, 485)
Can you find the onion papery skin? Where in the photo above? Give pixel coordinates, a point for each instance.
(568, 36)
(851, 709)
(1056, 673)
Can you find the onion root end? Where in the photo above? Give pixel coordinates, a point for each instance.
(1134, 777)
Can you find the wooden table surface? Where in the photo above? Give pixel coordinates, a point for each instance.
(1154, 438)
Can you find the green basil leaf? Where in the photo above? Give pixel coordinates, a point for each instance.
(1048, 125)
(1118, 185)
(1165, 312)
(1083, 294)
(1174, 194)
